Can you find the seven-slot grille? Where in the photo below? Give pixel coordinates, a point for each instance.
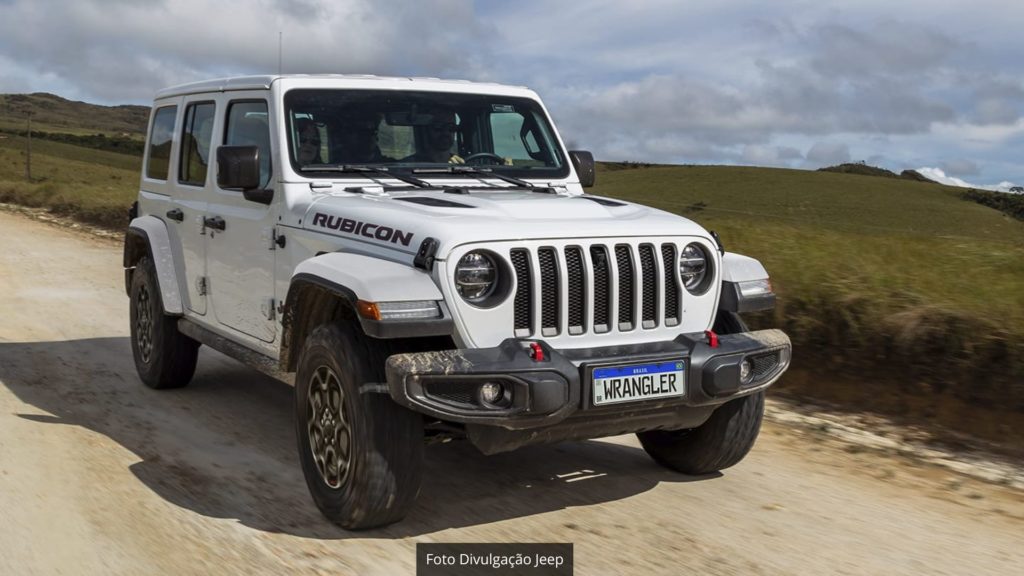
(595, 289)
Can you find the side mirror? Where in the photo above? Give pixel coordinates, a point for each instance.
(238, 168)
(583, 162)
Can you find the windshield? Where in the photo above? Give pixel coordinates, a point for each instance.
(403, 131)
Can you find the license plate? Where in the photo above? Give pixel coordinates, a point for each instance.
(613, 384)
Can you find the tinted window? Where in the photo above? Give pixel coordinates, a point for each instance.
(247, 126)
(160, 138)
(195, 144)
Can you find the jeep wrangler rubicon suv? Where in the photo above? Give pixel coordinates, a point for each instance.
(420, 260)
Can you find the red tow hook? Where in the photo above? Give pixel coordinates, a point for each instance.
(712, 338)
(536, 352)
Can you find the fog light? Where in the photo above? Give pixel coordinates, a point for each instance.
(746, 372)
(490, 392)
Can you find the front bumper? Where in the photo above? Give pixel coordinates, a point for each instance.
(552, 399)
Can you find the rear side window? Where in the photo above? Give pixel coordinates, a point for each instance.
(247, 125)
(196, 136)
(160, 137)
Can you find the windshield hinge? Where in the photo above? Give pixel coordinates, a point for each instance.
(424, 259)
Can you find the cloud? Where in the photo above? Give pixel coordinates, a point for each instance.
(884, 80)
(889, 48)
(916, 83)
(938, 175)
(960, 168)
(827, 154)
(760, 155)
(998, 101)
(126, 51)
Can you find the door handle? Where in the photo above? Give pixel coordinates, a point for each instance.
(214, 222)
(176, 214)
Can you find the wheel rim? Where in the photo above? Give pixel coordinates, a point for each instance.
(327, 424)
(144, 324)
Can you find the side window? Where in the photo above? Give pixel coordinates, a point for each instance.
(248, 126)
(505, 129)
(515, 140)
(522, 138)
(195, 144)
(160, 138)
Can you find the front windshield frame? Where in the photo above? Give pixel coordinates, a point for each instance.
(326, 108)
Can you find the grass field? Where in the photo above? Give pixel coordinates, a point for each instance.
(92, 185)
(899, 295)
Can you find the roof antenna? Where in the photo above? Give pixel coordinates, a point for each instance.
(280, 42)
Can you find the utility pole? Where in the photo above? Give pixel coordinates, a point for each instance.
(280, 43)
(28, 154)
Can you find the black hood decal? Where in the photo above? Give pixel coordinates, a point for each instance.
(364, 229)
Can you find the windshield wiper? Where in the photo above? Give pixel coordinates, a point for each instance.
(361, 169)
(463, 169)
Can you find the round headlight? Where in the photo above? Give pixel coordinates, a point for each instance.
(476, 276)
(693, 267)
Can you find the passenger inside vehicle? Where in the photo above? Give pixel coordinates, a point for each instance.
(438, 140)
(309, 141)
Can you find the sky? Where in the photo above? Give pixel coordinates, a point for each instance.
(920, 84)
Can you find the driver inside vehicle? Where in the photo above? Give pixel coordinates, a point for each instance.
(438, 140)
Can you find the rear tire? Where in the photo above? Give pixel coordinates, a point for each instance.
(722, 441)
(164, 357)
(361, 453)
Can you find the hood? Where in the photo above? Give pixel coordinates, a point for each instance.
(403, 220)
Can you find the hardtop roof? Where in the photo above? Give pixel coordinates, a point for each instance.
(363, 81)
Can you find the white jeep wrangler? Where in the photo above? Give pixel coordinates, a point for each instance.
(419, 258)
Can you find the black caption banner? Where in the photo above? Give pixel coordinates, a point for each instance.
(493, 559)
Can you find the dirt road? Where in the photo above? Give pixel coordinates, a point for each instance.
(99, 475)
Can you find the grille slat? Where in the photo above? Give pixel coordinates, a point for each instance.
(627, 291)
(524, 293)
(577, 289)
(602, 289)
(549, 291)
(668, 257)
(650, 289)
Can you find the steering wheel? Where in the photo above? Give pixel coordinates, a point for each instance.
(479, 156)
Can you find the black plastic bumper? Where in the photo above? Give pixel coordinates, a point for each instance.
(552, 399)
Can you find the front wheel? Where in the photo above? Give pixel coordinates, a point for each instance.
(717, 444)
(361, 453)
(722, 441)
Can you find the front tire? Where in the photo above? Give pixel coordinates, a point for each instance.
(164, 357)
(361, 453)
(722, 441)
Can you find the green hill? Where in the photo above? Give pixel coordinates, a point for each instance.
(51, 113)
(904, 289)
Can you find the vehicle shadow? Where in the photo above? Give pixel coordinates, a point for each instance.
(225, 446)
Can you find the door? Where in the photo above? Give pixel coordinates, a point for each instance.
(240, 244)
(184, 216)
